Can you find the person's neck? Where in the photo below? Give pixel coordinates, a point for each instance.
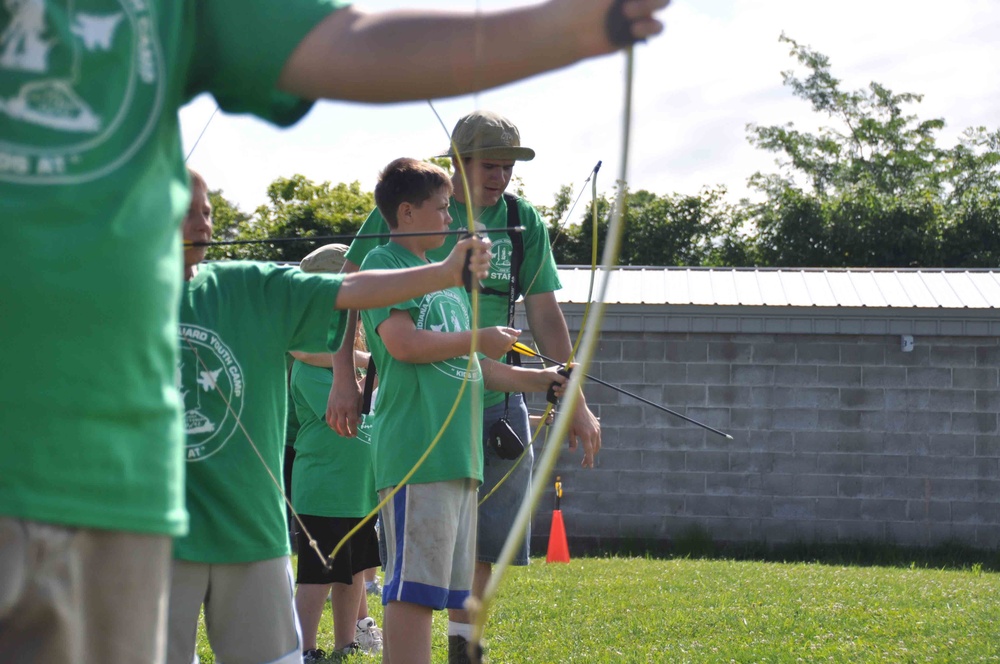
(190, 271)
(458, 193)
(411, 244)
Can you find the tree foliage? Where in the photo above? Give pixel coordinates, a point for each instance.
(659, 230)
(296, 208)
(874, 188)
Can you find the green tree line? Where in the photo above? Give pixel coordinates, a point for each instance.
(872, 188)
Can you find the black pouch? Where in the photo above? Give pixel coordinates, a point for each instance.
(505, 441)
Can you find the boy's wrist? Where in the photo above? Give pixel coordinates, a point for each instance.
(443, 276)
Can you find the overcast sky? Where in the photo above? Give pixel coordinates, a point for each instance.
(717, 68)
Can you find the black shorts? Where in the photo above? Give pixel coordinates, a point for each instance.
(358, 553)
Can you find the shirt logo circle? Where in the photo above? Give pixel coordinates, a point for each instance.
(81, 87)
(208, 378)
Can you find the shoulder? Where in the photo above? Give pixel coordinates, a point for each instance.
(227, 273)
(375, 224)
(271, 280)
(381, 256)
(526, 212)
(246, 269)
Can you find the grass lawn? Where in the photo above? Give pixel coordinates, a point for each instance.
(681, 610)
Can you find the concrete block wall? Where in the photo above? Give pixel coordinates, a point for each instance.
(837, 438)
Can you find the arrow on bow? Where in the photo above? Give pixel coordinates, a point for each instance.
(525, 350)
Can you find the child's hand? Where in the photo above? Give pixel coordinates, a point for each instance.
(472, 250)
(551, 378)
(495, 341)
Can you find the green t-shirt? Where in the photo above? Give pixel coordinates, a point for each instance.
(331, 476)
(92, 191)
(538, 271)
(238, 320)
(414, 399)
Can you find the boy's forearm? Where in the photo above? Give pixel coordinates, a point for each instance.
(426, 346)
(501, 377)
(357, 56)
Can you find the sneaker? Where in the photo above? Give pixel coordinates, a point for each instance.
(314, 655)
(458, 651)
(345, 652)
(373, 587)
(368, 636)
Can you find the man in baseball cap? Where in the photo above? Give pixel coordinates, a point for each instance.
(488, 146)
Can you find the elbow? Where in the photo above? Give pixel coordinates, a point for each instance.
(403, 351)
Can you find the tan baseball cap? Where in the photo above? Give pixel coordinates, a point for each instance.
(328, 258)
(488, 135)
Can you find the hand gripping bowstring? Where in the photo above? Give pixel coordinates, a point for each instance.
(561, 425)
(476, 422)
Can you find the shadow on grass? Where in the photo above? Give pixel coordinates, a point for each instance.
(696, 542)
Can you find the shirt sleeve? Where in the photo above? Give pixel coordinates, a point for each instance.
(381, 260)
(538, 271)
(241, 46)
(360, 246)
(304, 304)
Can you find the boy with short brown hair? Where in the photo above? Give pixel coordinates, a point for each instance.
(421, 348)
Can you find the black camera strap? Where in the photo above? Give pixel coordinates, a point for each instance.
(514, 288)
(366, 398)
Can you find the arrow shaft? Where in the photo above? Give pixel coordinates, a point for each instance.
(639, 398)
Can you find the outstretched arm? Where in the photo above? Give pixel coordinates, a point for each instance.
(404, 55)
(374, 289)
(507, 378)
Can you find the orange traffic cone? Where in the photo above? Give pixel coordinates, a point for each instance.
(558, 548)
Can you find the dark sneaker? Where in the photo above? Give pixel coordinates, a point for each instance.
(314, 655)
(458, 651)
(345, 652)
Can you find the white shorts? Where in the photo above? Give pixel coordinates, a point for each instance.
(249, 612)
(81, 594)
(431, 543)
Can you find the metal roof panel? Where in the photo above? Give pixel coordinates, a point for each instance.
(941, 289)
(955, 289)
(843, 289)
(987, 286)
(913, 284)
(748, 288)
